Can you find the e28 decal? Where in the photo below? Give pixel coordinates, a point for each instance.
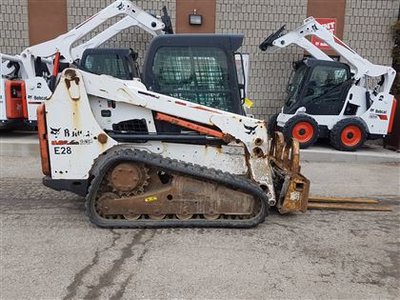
(62, 150)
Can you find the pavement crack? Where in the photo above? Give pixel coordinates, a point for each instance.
(121, 290)
(140, 258)
(78, 278)
(106, 279)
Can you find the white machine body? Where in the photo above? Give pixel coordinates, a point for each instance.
(74, 139)
(376, 118)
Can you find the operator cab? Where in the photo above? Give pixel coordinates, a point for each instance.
(319, 86)
(119, 63)
(200, 68)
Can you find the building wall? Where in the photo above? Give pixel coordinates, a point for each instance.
(205, 8)
(257, 19)
(47, 20)
(14, 32)
(368, 28)
(137, 39)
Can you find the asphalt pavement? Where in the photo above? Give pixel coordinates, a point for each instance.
(49, 250)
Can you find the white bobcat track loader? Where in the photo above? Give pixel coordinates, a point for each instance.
(327, 98)
(221, 172)
(28, 79)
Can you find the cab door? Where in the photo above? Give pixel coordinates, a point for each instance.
(197, 74)
(326, 89)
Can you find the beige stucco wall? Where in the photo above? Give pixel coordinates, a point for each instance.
(14, 34)
(368, 28)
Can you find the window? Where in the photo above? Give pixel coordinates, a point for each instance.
(108, 64)
(198, 75)
(323, 80)
(326, 90)
(294, 87)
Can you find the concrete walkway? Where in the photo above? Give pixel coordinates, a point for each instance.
(19, 144)
(26, 144)
(370, 153)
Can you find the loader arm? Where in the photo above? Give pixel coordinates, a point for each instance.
(311, 27)
(134, 16)
(107, 34)
(145, 22)
(6, 64)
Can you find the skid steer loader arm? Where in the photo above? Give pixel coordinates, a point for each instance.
(310, 27)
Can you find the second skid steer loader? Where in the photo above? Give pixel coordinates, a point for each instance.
(345, 102)
(220, 170)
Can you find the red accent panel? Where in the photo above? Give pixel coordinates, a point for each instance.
(393, 112)
(383, 117)
(205, 109)
(43, 143)
(190, 125)
(59, 143)
(56, 65)
(180, 103)
(16, 106)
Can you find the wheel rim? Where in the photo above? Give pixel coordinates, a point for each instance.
(211, 216)
(184, 216)
(132, 217)
(157, 217)
(351, 135)
(303, 132)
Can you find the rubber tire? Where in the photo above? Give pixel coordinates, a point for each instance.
(292, 122)
(336, 132)
(272, 126)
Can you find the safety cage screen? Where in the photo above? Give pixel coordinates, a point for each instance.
(199, 75)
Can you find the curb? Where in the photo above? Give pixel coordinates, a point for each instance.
(19, 145)
(361, 156)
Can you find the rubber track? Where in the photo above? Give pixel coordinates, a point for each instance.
(104, 162)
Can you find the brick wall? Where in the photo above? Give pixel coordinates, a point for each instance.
(137, 39)
(14, 35)
(368, 28)
(257, 19)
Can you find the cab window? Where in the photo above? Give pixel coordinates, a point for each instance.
(196, 74)
(108, 64)
(326, 90)
(323, 79)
